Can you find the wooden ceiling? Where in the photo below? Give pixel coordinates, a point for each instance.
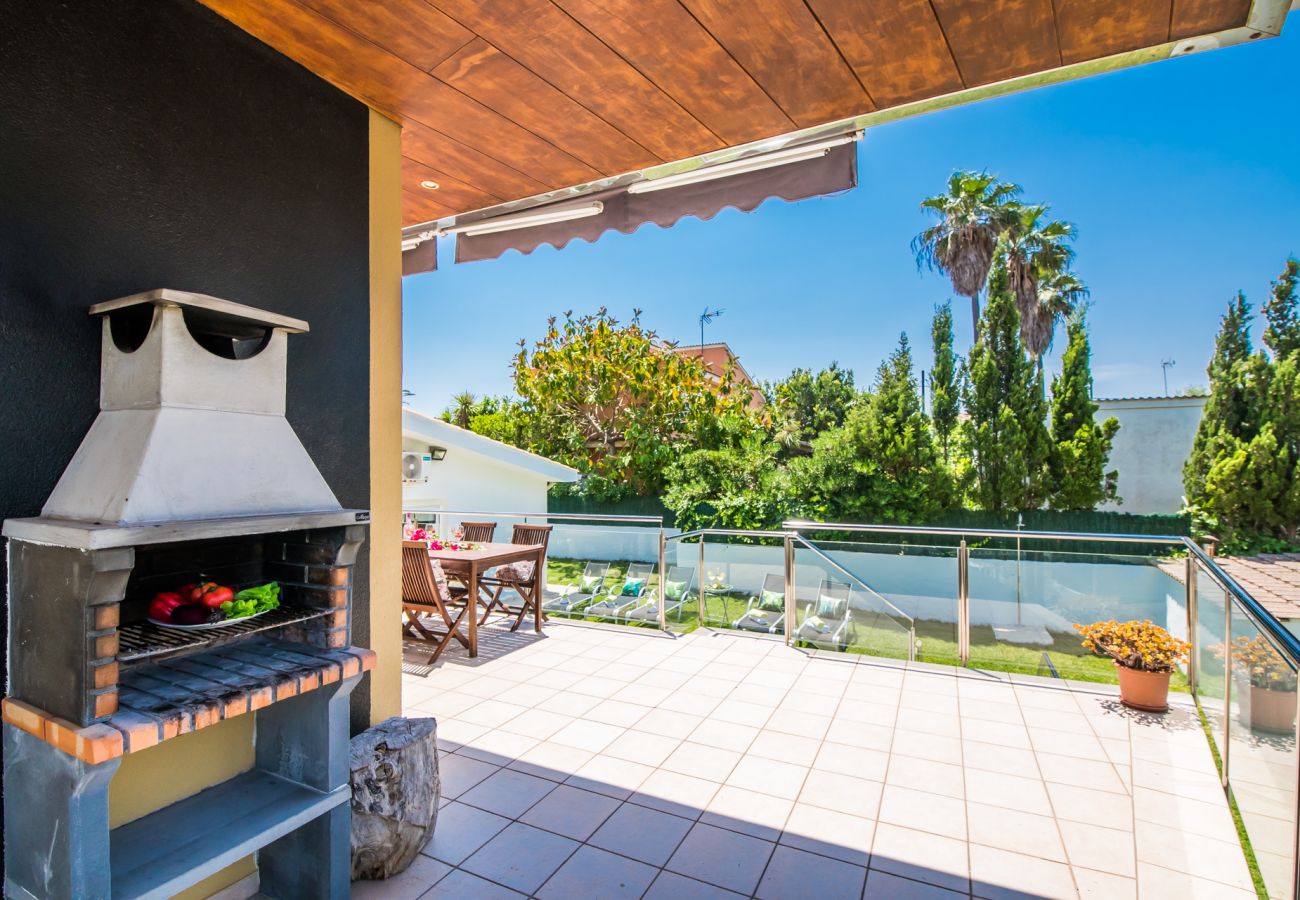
(503, 99)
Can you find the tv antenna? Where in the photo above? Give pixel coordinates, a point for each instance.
(706, 318)
(1165, 366)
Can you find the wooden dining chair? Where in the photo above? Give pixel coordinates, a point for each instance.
(521, 577)
(478, 532)
(425, 592)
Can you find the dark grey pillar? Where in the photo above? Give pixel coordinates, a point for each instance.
(56, 822)
(305, 739)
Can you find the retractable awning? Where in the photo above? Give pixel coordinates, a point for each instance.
(700, 193)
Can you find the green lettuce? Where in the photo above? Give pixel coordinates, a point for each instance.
(251, 601)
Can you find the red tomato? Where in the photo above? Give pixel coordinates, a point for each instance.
(196, 592)
(217, 596)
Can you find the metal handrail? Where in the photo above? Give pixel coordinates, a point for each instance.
(821, 554)
(592, 517)
(1283, 640)
(804, 525)
(726, 532)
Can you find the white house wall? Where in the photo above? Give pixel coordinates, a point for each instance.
(1154, 440)
(471, 482)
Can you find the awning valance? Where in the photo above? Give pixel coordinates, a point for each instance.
(624, 211)
(420, 254)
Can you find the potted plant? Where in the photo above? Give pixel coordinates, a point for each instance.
(1145, 656)
(1271, 702)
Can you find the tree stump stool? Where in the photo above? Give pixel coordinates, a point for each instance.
(395, 793)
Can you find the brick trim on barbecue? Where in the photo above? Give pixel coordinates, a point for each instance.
(175, 697)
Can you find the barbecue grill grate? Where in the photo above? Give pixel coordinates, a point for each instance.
(147, 641)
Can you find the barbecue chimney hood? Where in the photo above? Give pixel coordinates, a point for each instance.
(191, 424)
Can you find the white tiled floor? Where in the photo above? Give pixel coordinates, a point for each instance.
(595, 763)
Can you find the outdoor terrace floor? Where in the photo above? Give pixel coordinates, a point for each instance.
(595, 762)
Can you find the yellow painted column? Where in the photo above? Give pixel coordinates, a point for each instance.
(385, 415)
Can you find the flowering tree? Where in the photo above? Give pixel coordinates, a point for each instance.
(615, 402)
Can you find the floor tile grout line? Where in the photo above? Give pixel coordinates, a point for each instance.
(1047, 791)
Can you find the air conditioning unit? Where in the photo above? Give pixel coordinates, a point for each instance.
(413, 467)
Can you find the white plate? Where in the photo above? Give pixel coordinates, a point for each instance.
(206, 626)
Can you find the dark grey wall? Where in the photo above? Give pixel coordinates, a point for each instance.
(149, 143)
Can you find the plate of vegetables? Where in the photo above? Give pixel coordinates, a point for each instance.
(198, 607)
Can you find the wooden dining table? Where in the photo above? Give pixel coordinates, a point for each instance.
(468, 567)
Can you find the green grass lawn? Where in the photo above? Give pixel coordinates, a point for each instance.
(879, 635)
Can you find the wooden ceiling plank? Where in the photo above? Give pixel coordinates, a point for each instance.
(1196, 17)
(666, 43)
(451, 191)
(418, 207)
(993, 40)
(1090, 29)
(393, 85)
(544, 39)
(478, 170)
(895, 47)
(782, 45)
(409, 29)
(500, 83)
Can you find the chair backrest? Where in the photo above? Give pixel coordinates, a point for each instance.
(682, 575)
(829, 587)
(774, 582)
(478, 532)
(423, 582)
(531, 534)
(637, 572)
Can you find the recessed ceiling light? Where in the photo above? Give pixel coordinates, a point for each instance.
(429, 185)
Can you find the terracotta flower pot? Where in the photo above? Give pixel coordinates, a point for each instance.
(1147, 691)
(1272, 710)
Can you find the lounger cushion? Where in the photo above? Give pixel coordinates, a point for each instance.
(773, 601)
(632, 587)
(832, 607)
(591, 582)
(674, 590)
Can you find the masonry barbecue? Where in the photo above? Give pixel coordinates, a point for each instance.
(142, 507)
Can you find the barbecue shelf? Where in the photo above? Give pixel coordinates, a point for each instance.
(180, 845)
(148, 641)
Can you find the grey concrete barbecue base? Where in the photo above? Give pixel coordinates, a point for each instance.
(292, 809)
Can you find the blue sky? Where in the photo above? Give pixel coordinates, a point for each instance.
(1183, 178)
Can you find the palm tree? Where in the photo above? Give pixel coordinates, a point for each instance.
(463, 408)
(1038, 254)
(973, 214)
(1060, 296)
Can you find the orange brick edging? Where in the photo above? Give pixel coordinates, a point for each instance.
(129, 730)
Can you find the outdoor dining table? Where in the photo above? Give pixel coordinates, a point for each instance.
(468, 566)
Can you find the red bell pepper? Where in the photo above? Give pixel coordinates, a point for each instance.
(217, 596)
(163, 604)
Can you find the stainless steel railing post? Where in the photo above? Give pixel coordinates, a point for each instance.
(663, 581)
(703, 581)
(963, 602)
(1189, 575)
(791, 609)
(1227, 684)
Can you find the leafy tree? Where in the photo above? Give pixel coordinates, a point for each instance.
(1006, 433)
(883, 465)
(804, 405)
(1243, 477)
(739, 487)
(1080, 445)
(1282, 334)
(616, 403)
(974, 212)
(944, 387)
(1227, 411)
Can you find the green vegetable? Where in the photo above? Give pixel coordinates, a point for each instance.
(251, 601)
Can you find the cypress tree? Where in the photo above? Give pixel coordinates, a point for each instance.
(944, 397)
(1080, 445)
(1228, 410)
(1007, 432)
(1282, 335)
